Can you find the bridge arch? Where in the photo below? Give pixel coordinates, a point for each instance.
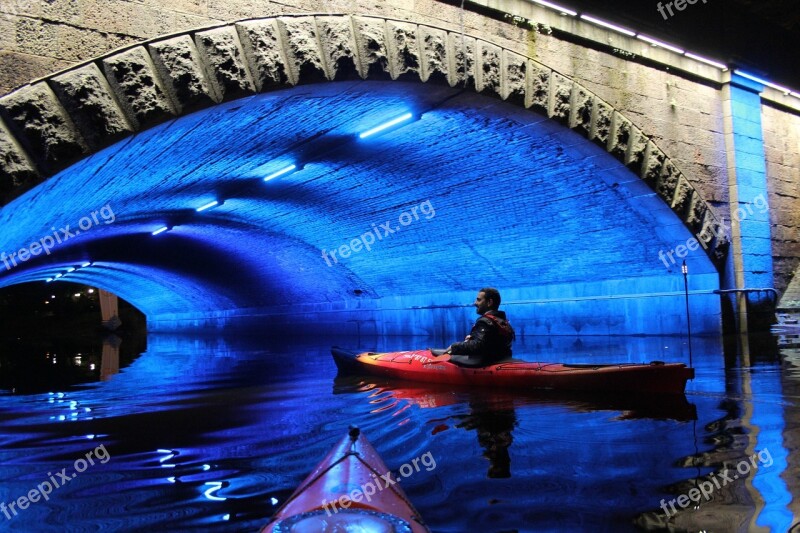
(60, 123)
(52, 123)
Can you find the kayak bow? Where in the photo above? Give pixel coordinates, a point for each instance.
(343, 494)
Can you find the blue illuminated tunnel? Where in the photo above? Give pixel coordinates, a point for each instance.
(465, 191)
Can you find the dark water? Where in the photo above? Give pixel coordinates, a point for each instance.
(215, 433)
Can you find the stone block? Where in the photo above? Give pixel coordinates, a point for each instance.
(36, 37)
(582, 107)
(538, 92)
(560, 97)
(339, 48)
(667, 183)
(35, 116)
(696, 214)
(602, 121)
(25, 67)
(17, 170)
(682, 197)
(177, 63)
(88, 99)
(514, 83)
(132, 76)
(220, 51)
(303, 56)
(403, 51)
(435, 60)
(462, 67)
(372, 48)
(620, 137)
(264, 52)
(653, 163)
(489, 73)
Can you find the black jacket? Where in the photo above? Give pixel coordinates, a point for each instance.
(490, 339)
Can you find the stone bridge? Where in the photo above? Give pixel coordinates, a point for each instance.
(573, 167)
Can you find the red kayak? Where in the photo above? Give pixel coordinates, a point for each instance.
(350, 490)
(421, 365)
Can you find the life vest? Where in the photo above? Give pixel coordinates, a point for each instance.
(503, 325)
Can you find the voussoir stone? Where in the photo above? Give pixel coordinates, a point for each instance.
(514, 84)
(489, 74)
(581, 110)
(178, 64)
(86, 95)
(35, 116)
(263, 49)
(560, 97)
(403, 51)
(16, 169)
(132, 76)
(538, 87)
(339, 48)
(462, 53)
(372, 47)
(682, 197)
(602, 123)
(435, 66)
(303, 55)
(219, 49)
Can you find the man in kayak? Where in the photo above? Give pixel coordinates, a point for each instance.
(491, 336)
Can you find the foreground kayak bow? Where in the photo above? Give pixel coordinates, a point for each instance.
(347, 492)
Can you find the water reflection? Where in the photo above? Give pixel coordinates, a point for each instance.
(214, 433)
(29, 367)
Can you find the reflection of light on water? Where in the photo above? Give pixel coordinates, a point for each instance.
(170, 455)
(214, 486)
(768, 418)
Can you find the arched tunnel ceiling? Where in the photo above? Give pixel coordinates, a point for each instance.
(516, 200)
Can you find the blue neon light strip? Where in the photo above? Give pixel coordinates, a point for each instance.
(385, 126)
(281, 172)
(209, 205)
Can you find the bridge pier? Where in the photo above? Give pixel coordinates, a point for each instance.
(749, 263)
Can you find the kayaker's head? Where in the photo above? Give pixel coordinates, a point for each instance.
(488, 298)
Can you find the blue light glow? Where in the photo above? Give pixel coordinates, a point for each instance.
(385, 126)
(281, 172)
(86, 264)
(763, 82)
(275, 236)
(207, 206)
(71, 269)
